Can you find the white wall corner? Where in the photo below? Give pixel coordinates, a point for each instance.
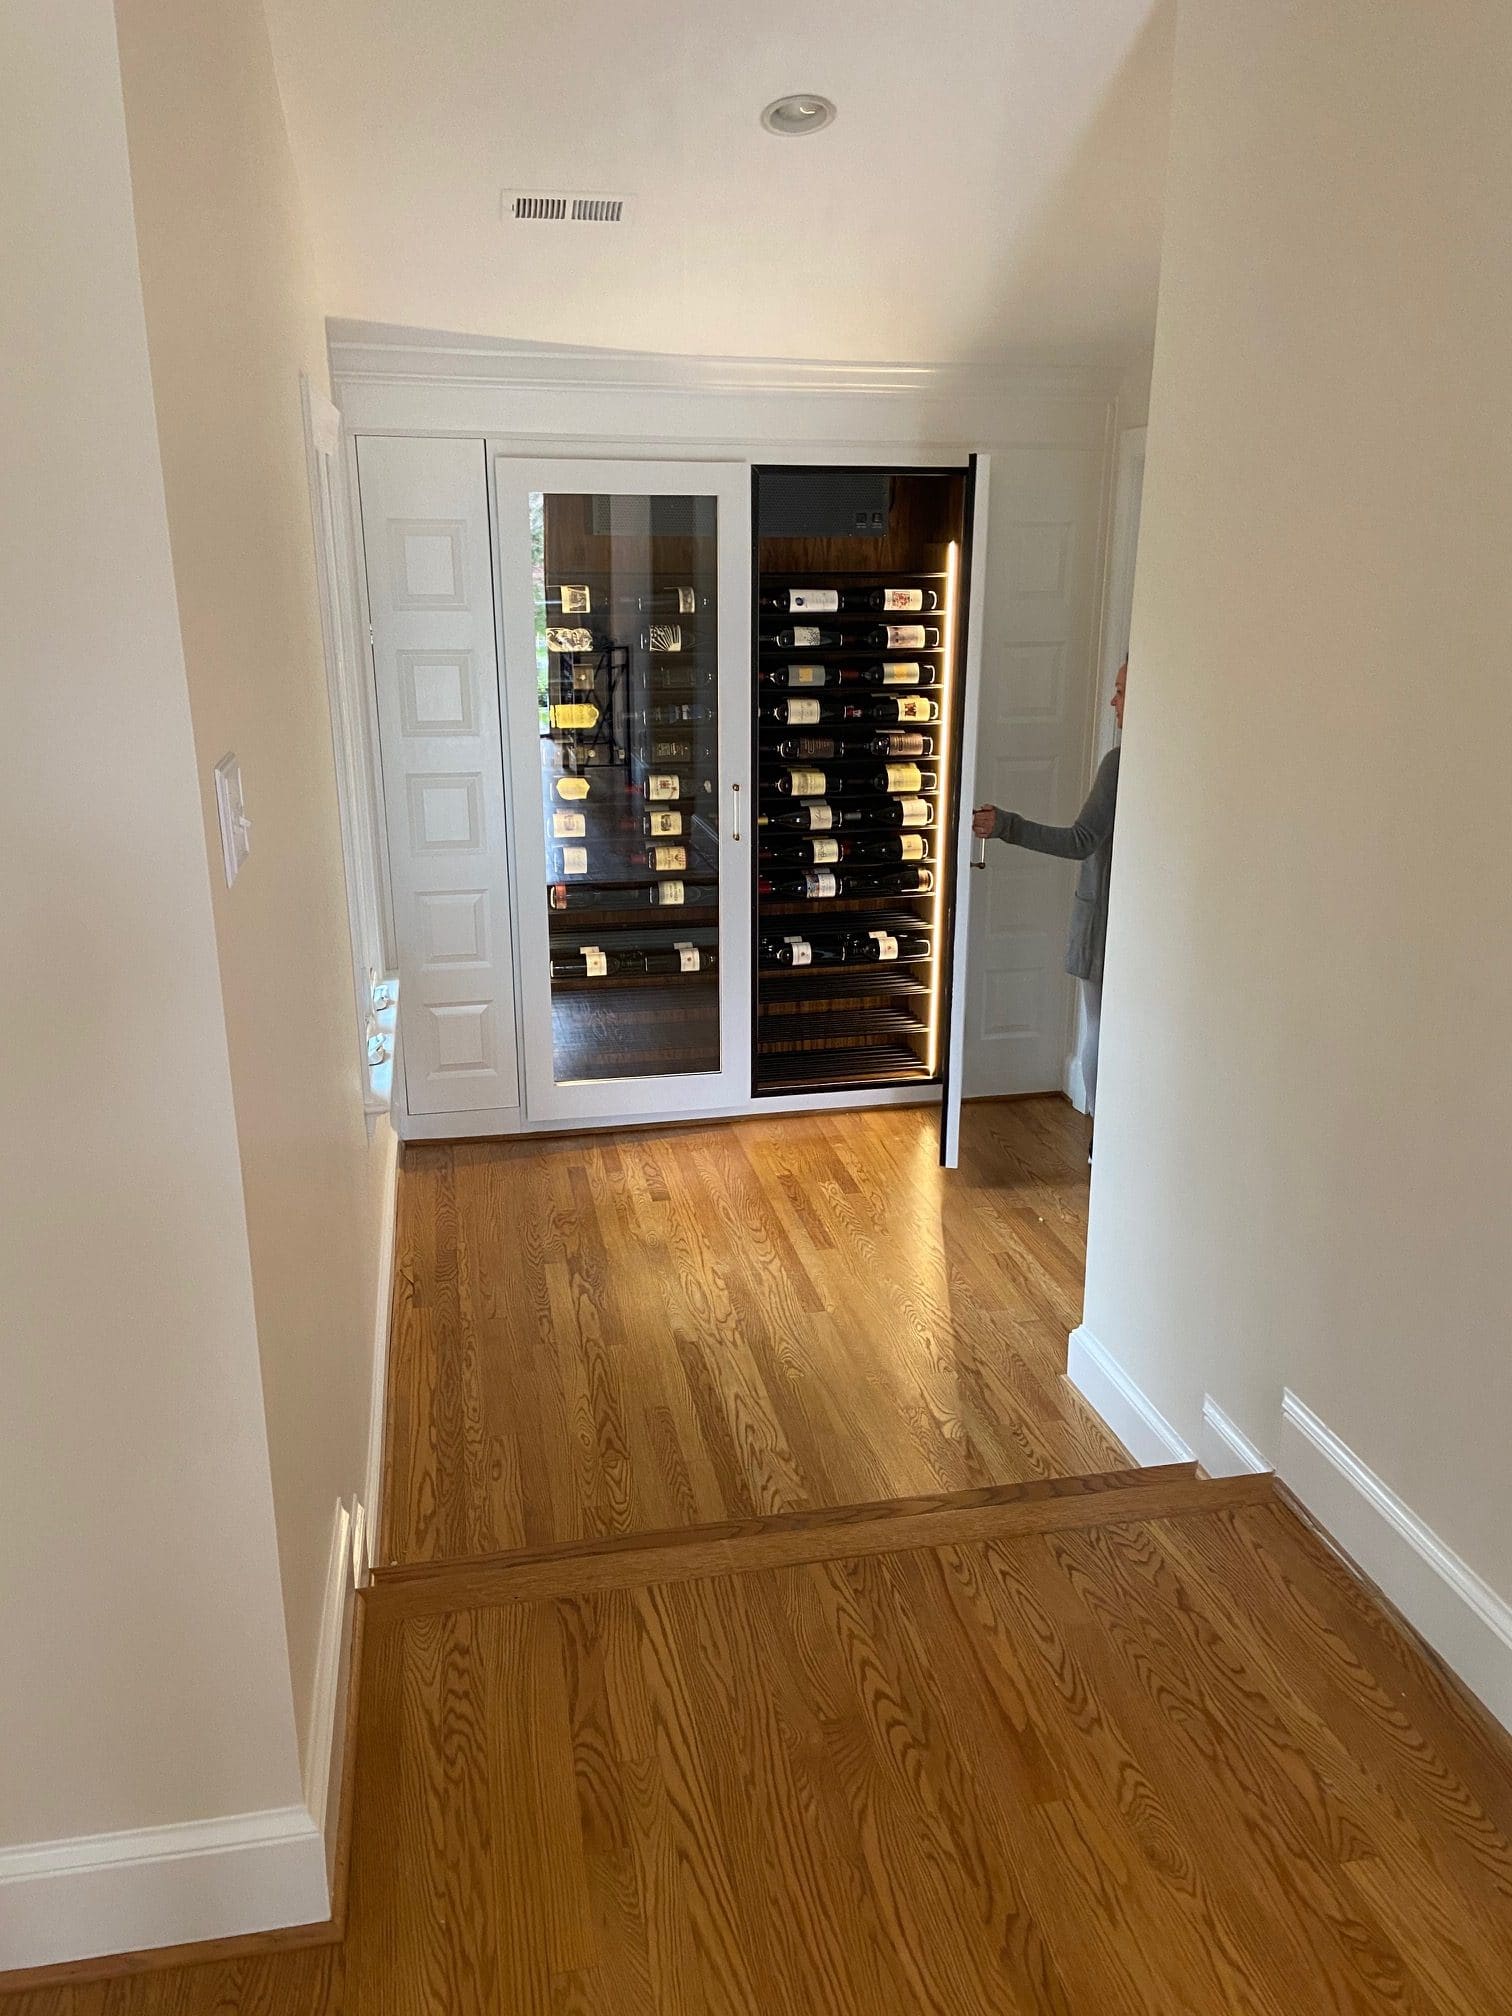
(98, 1894)
(372, 1505)
(1465, 1620)
(1223, 1449)
(1131, 1414)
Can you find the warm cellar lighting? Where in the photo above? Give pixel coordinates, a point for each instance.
(803, 112)
(947, 717)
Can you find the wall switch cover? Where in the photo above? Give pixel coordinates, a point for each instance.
(235, 827)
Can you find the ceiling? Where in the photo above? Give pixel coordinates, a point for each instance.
(991, 189)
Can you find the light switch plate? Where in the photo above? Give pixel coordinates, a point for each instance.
(235, 827)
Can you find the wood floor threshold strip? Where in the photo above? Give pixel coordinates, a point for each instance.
(795, 1539)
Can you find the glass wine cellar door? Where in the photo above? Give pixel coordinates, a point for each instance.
(627, 698)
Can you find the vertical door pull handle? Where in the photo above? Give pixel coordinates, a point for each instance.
(735, 824)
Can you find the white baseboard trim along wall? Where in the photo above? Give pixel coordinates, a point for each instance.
(1134, 1418)
(382, 1320)
(1458, 1613)
(161, 1886)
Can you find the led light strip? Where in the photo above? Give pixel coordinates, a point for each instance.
(942, 799)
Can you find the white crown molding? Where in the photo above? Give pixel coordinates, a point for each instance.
(94, 1894)
(379, 353)
(1130, 1413)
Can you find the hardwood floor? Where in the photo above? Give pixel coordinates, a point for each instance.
(623, 1333)
(668, 1710)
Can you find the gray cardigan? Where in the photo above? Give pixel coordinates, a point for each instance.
(1089, 841)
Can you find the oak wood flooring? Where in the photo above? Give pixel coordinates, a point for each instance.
(616, 1334)
(1176, 1766)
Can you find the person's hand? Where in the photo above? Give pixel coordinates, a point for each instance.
(984, 821)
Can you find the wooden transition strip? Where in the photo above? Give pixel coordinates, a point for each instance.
(790, 1539)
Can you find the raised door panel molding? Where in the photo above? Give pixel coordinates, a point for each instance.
(430, 601)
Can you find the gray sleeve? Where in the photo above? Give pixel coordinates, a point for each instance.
(1092, 827)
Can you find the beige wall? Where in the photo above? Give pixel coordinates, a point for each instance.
(1304, 1162)
(143, 1673)
(232, 320)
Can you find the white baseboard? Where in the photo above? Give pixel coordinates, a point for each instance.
(326, 1727)
(1071, 1083)
(1462, 1617)
(1224, 1450)
(1134, 1418)
(160, 1886)
(372, 1506)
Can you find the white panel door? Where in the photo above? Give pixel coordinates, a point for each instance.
(430, 596)
(1031, 758)
(625, 590)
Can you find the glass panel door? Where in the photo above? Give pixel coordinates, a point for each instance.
(619, 635)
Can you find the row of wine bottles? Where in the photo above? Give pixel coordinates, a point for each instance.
(818, 815)
(664, 823)
(830, 601)
(672, 894)
(814, 885)
(853, 948)
(792, 710)
(880, 636)
(840, 748)
(886, 672)
(599, 962)
(662, 857)
(823, 850)
(894, 780)
(577, 598)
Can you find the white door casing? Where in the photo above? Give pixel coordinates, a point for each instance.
(668, 1096)
(1032, 748)
(960, 947)
(424, 506)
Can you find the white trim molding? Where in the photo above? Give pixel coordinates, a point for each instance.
(1465, 1620)
(1225, 1450)
(372, 1505)
(321, 1760)
(161, 1886)
(1131, 1414)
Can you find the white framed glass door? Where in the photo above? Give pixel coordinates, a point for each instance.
(625, 602)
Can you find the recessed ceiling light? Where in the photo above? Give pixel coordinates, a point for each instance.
(804, 112)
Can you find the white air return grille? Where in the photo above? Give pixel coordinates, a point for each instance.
(552, 206)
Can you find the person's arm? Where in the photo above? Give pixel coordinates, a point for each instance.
(1091, 828)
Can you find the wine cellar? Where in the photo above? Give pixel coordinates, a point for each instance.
(858, 584)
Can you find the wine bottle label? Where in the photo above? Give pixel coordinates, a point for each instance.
(572, 787)
(574, 860)
(914, 707)
(806, 675)
(583, 677)
(806, 783)
(822, 882)
(806, 637)
(905, 636)
(915, 811)
(886, 944)
(904, 777)
(596, 961)
(568, 825)
(569, 640)
(821, 818)
(911, 846)
(687, 602)
(804, 713)
(825, 850)
(574, 714)
(803, 952)
(663, 784)
(687, 958)
(668, 637)
(902, 598)
(817, 601)
(577, 601)
(669, 893)
(662, 823)
(902, 672)
(668, 860)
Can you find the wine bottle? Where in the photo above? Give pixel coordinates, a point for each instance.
(662, 824)
(683, 957)
(819, 816)
(902, 707)
(671, 894)
(572, 860)
(675, 601)
(574, 714)
(569, 637)
(817, 885)
(670, 749)
(680, 678)
(907, 880)
(807, 748)
(885, 848)
(589, 962)
(667, 859)
(911, 672)
(812, 850)
(901, 742)
(799, 675)
(801, 949)
(804, 637)
(827, 601)
(811, 885)
(897, 780)
(570, 599)
(674, 713)
(903, 636)
(802, 710)
(662, 637)
(867, 946)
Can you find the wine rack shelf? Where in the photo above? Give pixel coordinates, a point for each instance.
(855, 677)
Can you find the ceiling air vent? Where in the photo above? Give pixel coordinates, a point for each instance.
(552, 206)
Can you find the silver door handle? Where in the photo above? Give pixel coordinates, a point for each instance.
(978, 842)
(735, 823)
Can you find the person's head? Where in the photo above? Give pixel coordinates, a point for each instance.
(1118, 690)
